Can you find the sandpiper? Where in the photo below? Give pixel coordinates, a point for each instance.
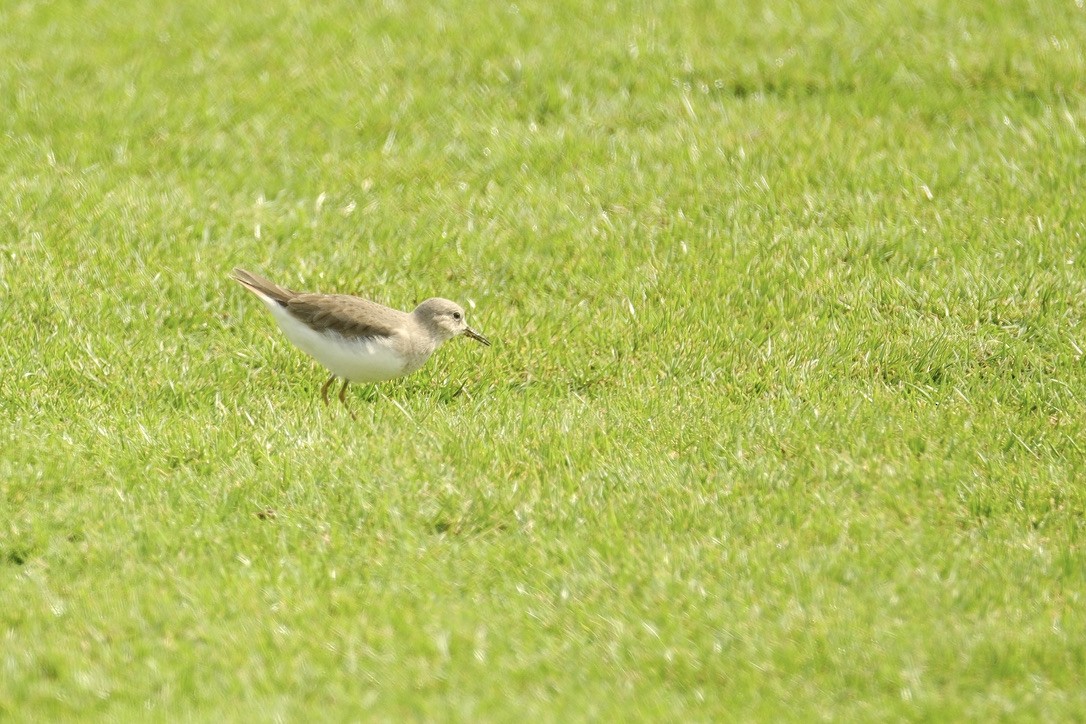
(355, 339)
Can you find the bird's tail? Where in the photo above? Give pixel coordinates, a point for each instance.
(262, 287)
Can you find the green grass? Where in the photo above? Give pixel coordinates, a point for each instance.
(784, 418)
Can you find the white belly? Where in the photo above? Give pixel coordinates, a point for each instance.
(357, 360)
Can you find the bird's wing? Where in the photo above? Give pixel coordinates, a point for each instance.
(347, 315)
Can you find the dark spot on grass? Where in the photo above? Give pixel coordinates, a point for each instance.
(49, 669)
(17, 556)
(471, 526)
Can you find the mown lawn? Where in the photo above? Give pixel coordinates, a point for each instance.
(784, 416)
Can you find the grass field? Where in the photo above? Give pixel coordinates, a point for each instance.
(784, 416)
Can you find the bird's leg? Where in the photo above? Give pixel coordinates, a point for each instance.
(342, 392)
(324, 390)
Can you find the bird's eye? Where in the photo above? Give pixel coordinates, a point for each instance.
(456, 315)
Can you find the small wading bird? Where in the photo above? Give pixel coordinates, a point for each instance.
(355, 339)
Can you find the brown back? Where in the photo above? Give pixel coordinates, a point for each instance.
(347, 315)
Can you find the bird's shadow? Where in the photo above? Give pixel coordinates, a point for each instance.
(361, 396)
(447, 394)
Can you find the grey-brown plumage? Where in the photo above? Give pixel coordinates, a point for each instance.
(356, 339)
(349, 316)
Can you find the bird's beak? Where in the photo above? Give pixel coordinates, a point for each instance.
(476, 336)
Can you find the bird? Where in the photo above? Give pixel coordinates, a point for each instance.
(355, 339)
